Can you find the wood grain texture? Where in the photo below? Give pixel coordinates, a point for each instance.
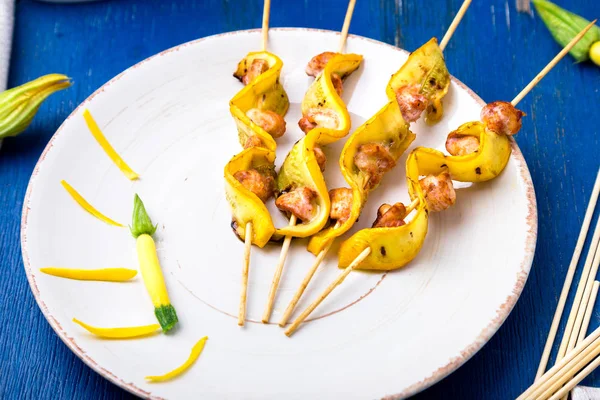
(495, 51)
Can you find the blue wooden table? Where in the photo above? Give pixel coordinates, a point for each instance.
(495, 51)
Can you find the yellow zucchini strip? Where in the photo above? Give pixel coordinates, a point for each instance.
(426, 68)
(196, 351)
(119, 333)
(246, 207)
(107, 147)
(87, 206)
(104, 274)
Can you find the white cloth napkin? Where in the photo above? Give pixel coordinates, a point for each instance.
(585, 393)
(6, 29)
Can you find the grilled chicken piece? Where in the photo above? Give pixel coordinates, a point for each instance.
(390, 216)
(261, 181)
(460, 145)
(502, 117)
(439, 191)
(298, 202)
(253, 141)
(306, 124)
(257, 67)
(341, 204)
(321, 158)
(317, 63)
(412, 103)
(270, 121)
(338, 84)
(319, 117)
(374, 160)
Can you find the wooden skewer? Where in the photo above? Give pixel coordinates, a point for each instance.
(321, 256)
(566, 374)
(461, 12)
(589, 345)
(589, 310)
(551, 64)
(292, 328)
(278, 272)
(265, 24)
(245, 269)
(578, 378)
(346, 26)
(587, 293)
(307, 278)
(589, 213)
(313, 269)
(569, 328)
(248, 238)
(412, 205)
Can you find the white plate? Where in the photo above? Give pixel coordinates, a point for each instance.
(377, 335)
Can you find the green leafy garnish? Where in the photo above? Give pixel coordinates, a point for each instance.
(141, 222)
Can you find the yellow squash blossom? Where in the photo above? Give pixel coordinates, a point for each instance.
(19, 105)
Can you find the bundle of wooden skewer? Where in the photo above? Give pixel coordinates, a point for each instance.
(579, 353)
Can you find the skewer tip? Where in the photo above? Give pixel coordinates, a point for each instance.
(265, 23)
(457, 18)
(346, 26)
(278, 272)
(245, 269)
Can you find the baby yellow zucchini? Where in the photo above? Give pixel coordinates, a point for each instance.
(142, 229)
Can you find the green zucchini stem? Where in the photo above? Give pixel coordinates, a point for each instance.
(141, 222)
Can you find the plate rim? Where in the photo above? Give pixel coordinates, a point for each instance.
(453, 364)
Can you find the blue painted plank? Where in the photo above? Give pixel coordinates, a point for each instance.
(495, 51)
